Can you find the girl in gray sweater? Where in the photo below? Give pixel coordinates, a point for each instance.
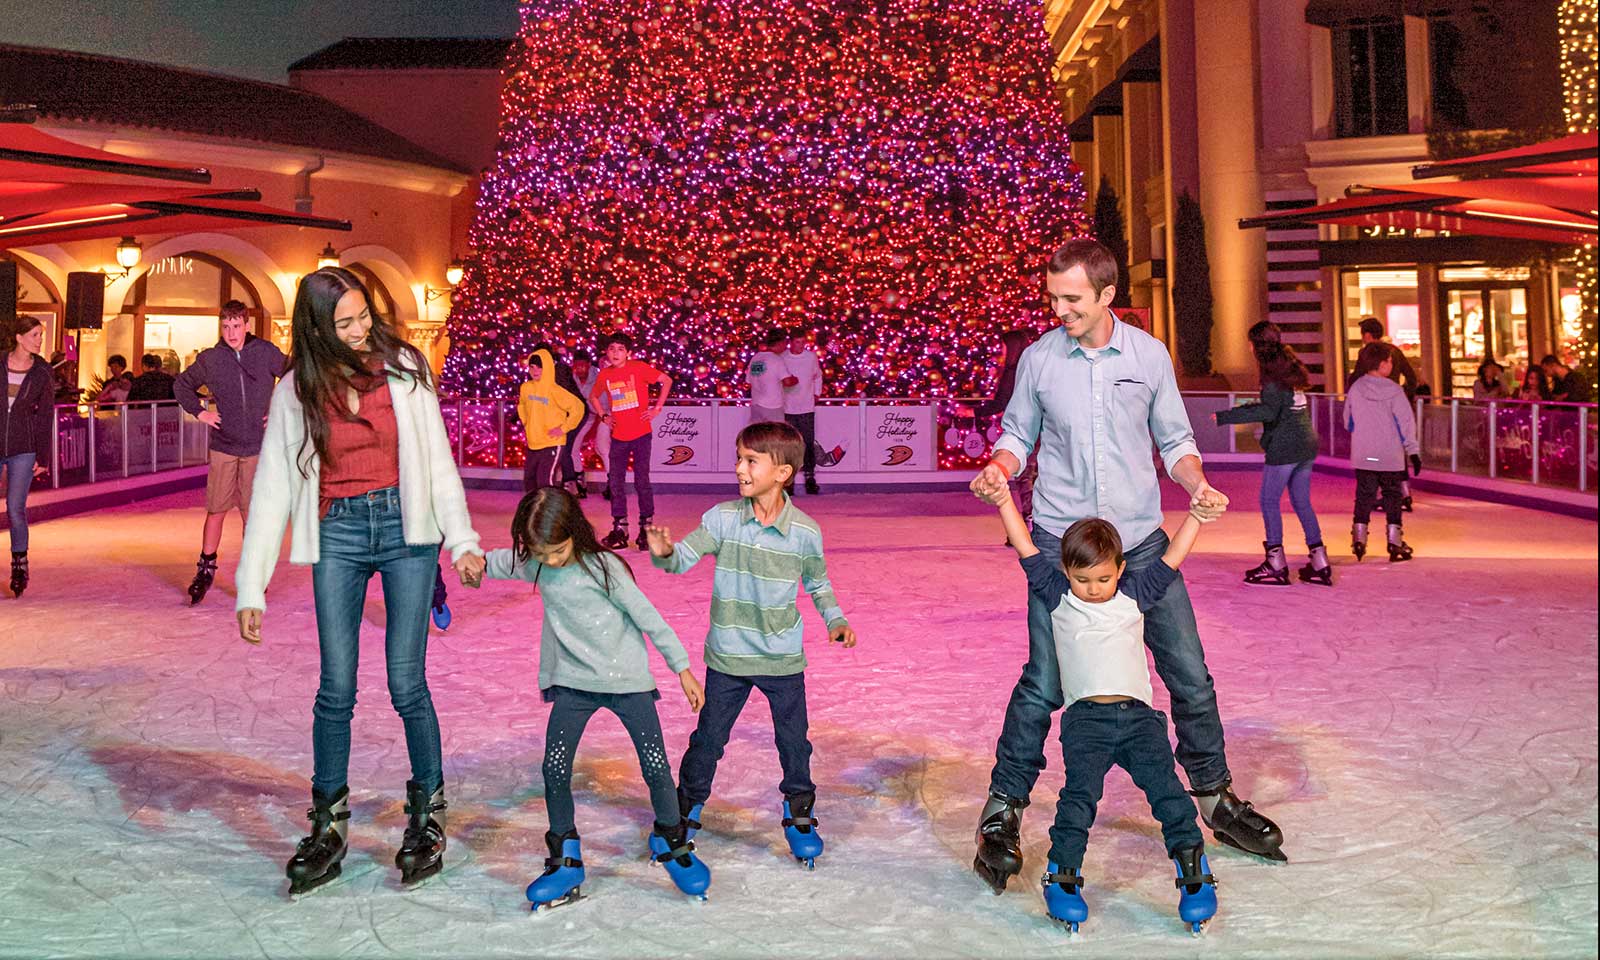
(591, 656)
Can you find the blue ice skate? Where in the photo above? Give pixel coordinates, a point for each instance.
(800, 829)
(673, 849)
(1063, 899)
(560, 884)
(1197, 888)
(441, 616)
(691, 820)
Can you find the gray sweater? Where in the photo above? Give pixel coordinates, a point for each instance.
(1383, 428)
(592, 640)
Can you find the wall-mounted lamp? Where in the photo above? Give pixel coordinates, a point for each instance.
(452, 275)
(329, 257)
(128, 254)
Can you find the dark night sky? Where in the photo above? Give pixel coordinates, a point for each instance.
(247, 38)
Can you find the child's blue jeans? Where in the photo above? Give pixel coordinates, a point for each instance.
(1297, 477)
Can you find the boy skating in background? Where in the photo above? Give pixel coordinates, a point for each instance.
(625, 383)
(1383, 436)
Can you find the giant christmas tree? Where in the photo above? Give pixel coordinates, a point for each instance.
(890, 172)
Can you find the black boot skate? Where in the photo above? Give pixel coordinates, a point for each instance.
(205, 572)
(617, 539)
(1236, 823)
(1317, 569)
(999, 843)
(642, 541)
(1399, 550)
(422, 851)
(1358, 540)
(316, 860)
(1274, 570)
(19, 572)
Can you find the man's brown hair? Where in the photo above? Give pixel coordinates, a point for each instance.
(1090, 542)
(776, 439)
(1090, 254)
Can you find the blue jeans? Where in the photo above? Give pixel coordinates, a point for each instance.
(1133, 736)
(617, 475)
(1173, 637)
(725, 699)
(361, 536)
(1297, 477)
(19, 479)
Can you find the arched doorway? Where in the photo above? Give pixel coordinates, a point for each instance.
(38, 297)
(171, 310)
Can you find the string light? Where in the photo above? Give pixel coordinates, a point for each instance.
(1578, 79)
(891, 175)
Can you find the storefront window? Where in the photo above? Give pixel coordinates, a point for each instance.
(175, 305)
(1486, 318)
(1390, 296)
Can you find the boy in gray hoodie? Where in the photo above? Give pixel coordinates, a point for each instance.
(1383, 436)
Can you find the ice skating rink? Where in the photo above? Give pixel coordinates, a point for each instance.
(1425, 733)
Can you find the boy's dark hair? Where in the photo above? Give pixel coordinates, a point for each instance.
(117, 359)
(1371, 355)
(1372, 327)
(150, 362)
(776, 439)
(1551, 359)
(533, 360)
(774, 336)
(232, 309)
(622, 338)
(582, 355)
(1097, 262)
(1090, 542)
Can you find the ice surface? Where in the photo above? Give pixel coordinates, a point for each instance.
(1425, 733)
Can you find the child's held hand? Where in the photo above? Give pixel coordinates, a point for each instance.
(692, 690)
(660, 539)
(843, 634)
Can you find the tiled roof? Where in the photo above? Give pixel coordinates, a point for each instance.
(409, 53)
(90, 88)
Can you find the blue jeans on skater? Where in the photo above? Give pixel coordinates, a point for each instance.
(361, 536)
(1173, 637)
(19, 480)
(1133, 736)
(725, 699)
(1297, 477)
(617, 473)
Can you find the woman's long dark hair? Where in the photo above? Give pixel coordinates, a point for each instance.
(551, 515)
(324, 367)
(1276, 359)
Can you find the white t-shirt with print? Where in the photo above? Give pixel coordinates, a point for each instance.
(804, 366)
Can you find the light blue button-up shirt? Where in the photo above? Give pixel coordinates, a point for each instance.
(1094, 418)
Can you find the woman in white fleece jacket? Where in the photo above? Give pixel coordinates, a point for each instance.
(356, 460)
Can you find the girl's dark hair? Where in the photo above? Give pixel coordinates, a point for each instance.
(1484, 366)
(323, 366)
(1275, 359)
(551, 515)
(1090, 542)
(15, 327)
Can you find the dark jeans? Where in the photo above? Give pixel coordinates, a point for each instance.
(569, 467)
(361, 536)
(1368, 485)
(806, 423)
(725, 699)
(1173, 637)
(541, 469)
(19, 480)
(570, 711)
(1297, 478)
(617, 474)
(1133, 736)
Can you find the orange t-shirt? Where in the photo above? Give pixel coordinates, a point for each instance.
(628, 388)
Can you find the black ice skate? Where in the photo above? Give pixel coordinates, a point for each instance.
(642, 541)
(1236, 823)
(1274, 570)
(316, 860)
(1399, 550)
(422, 851)
(999, 843)
(205, 572)
(617, 539)
(1317, 569)
(812, 488)
(1358, 540)
(19, 572)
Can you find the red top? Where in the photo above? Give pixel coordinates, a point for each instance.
(628, 388)
(366, 455)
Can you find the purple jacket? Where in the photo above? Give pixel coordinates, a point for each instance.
(241, 390)
(1383, 428)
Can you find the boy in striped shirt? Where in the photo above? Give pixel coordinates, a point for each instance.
(765, 548)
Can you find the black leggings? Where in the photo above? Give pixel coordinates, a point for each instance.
(1369, 483)
(570, 711)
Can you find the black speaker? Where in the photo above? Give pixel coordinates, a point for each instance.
(86, 300)
(8, 290)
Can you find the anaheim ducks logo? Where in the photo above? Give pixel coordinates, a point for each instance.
(899, 453)
(677, 454)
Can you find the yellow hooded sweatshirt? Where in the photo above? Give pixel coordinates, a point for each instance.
(542, 405)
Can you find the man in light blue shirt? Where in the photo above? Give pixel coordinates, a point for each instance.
(1095, 395)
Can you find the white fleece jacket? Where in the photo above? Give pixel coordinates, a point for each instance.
(433, 505)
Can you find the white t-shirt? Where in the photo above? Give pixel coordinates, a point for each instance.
(802, 397)
(765, 376)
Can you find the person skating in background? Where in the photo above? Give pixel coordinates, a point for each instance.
(766, 374)
(239, 372)
(1097, 610)
(1400, 371)
(25, 430)
(625, 383)
(583, 375)
(357, 459)
(766, 550)
(1490, 384)
(802, 385)
(592, 656)
(1012, 344)
(1290, 443)
(118, 381)
(548, 413)
(1383, 436)
(153, 384)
